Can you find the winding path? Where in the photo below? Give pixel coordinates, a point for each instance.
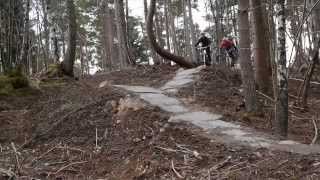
(216, 129)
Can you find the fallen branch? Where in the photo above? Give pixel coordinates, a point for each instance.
(311, 82)
(175, 171)
(69, 165)
(264, 95)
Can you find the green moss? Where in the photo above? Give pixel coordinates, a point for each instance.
(54, 70)
(13, 81)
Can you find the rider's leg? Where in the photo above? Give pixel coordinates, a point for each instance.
(208, 59)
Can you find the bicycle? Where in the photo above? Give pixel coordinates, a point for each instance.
(203, 55)
(233, 55)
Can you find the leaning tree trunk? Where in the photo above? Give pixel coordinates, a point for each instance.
(162, 52)
(245, 60)
(282, 71)
(68, 62)
(261, 51)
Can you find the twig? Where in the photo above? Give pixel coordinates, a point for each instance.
(184, 149)
(41, 156)
(221, 164)
(175, 171)
(71, 164)
(72, 149)
(9, 173)
(315, 138)
(312, 82)
(166, 149)
(96, 138)
(296, 107)
(264, 95)
(17, 157)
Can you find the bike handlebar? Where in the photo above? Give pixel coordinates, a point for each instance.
(200, 48)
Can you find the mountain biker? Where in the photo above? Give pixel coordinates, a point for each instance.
(205, 43)
(228, 45)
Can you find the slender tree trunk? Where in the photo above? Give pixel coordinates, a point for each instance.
(263, 72)
(245, 60)
(46, 33)
(187, 40)
(68, 62)
(53, 33)
(166, 14)
(109, 36)
(165, 54)
(192, 31)
(26, 41)
(158, 31)
(173, 29)
(282, 94)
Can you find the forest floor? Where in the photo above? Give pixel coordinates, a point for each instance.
(78, 130)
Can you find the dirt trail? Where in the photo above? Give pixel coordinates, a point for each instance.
(212, 124)
(104, 132)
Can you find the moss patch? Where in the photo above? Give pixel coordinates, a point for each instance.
(13, 82)
(54, 70)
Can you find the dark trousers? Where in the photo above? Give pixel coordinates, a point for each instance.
(208, 59)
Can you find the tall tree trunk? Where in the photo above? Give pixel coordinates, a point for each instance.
(173, 29)
(165, 54)
(121, 34)
(53, 34)
(46, 32)
(68, 62)
(26, 41)
(245, 60)
(217, 16)
(263, 73)
(158, 31)
(192, 31)
(315, 22)
(187, 40)
(154, 56)
(282, 71)
(166, 14)
(108, 24)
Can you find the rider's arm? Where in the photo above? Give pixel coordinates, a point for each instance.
(199, 41)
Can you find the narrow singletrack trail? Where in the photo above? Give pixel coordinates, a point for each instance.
(215, 128)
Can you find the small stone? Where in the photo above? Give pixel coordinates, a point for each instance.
(136, 140)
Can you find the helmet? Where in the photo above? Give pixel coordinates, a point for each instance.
(230, 38)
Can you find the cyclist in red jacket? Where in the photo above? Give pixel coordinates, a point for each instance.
(230, 47)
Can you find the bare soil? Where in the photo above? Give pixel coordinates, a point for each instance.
(75, 130)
